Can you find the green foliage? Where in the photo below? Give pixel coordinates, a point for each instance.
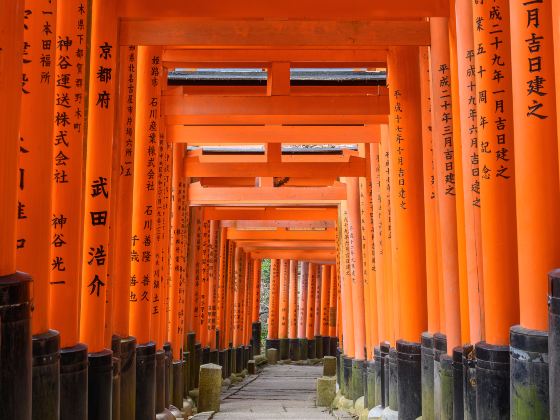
(265, 296)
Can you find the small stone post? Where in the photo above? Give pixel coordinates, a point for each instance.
(209, 388)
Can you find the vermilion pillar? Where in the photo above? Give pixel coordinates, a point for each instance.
(222, 286)
(333, 299)
(284, 298)
(444, 169)
(535, 126)
(238, 298)
(311, 292)
(204, 283)
(346, 286)
(273, 299)
(407, 190)
(293, 300)
(317, 297)
(325, 290)
(213, 282)
(256, 311)
(497, 172)
(18, 396)
(228, 314)
(248, 306)
(302, 303)
(35, 162)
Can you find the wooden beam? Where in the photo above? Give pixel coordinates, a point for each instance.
(285, 9)
(271, 224)
(294, 90)
(280, 244)
(275, 110)
(355, 167)
(266, 195)
(270, 213)
(281, 235)
(254, 182)
(262, 58)
(301, 134)
(294, 254)
(204, 33)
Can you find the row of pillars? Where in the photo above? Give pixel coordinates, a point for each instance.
(451, 234)
(98, 307)
(302, 311)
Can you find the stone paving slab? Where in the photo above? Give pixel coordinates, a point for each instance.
(276, 392)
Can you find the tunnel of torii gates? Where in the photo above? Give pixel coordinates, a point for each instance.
(419, 248)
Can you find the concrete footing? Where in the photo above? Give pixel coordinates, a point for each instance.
(347, 377)
(427, 365)
(294, 352)
(326, 391)
(440, 349)
(446, 387)
(458, 396)
(469, 383)
(554, 341)
(409, 371)
(311, 349)
(272, 356)
(319, 353)
(210, 387)
(378, 377)
(303, 348)
(371, 388)
(357, 387)
(492, 377)
(251, 367)
(329, 366)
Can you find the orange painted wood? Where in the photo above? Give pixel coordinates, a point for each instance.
(281, 234)
(11, 40)
(144, 195)
(213, 273)
(204, 291)
(123, 172)
(35, 162)
(67, 197)
(233, 33)
(293, 300)
(333, 300)
(284, 287)
(238, 297)
(222, 285)
(178, 262)
(269, 213)
(302, 300)
(273, 304)
(536, 151)
(430, 203)
(325, 290)
(101, 120)
(248, 306)
(315, 256)
(342, 90)
(346, 284)
(407, 201)
(190, 292)
(266, 195)
(257, 266)
(329, 9)
(243, 110)
(246, 134)
(443, 147)
(311, 293)
(228, 334)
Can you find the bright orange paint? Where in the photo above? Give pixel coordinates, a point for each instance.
(283, 298)
(273, 304)
(293, 300)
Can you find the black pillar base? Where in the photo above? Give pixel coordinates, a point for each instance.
(458, 405)
(239, 353)
(15, 346)
(46, 376)
(385, 384)
(379, 395)
(186, 372)
(190, 348)
(100, 385)
(370, 380)
(327, 346)
(223, 362)
(554, 341)
(357, 382)
(393, 381)
(256, 337)
(231, 361)
(178, 386)
(272, 343)
(492, 377)
(409, 370)
(284, 351)
(427, 362)
(205, 356)
(347, 376)
(214, 357)
(197, 363)
(74, 383)
(319, 347)
(440, 349)
(295, 353)
(145, 381)
(333, 343)
(302, 348)
(446, 384)
(247, 355)
(160, 381)
(116, 399)
(469, 383)
(168, 373)
(128, 377)
(529, 373)
(311, 349)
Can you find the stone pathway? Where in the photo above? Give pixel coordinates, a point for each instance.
(276, 392)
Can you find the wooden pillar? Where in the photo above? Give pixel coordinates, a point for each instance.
(197, 284)
(325, 290)
(346, 285)
(536, 154)
(145, 189)
(238, 298)
(257, 266)
(302, 302)
(407, 190)
(311, 292)
(317, 297)
(228, 314)
(443, 149)
(100, 121)
(203, 252)
(430, 201)
(497, 171)
(123, 171)
(213, 282)
(273, 303)
(284, 298)
(248, 305)
(68, 152)
(34, 217)
(177, 258)
(192, 284)
(293, 300)
(222, 286)
(333, 298)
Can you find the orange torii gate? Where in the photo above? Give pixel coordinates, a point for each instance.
(421, 238)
